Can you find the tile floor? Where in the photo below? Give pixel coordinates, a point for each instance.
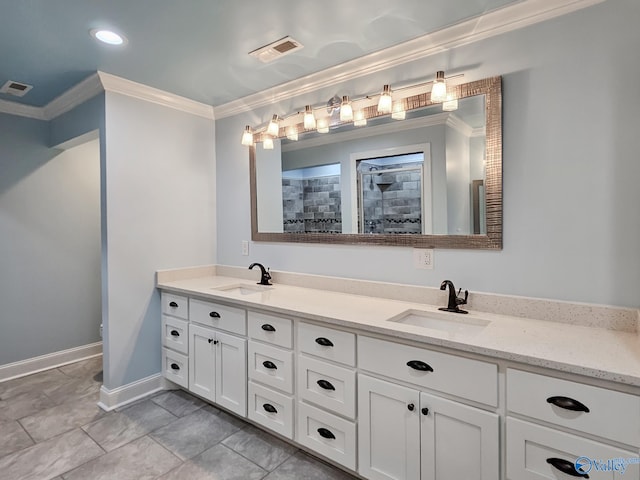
(51, 428)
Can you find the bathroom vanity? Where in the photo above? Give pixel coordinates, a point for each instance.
(391, 388)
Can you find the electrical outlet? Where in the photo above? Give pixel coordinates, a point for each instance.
(245, 247)
(423, 258)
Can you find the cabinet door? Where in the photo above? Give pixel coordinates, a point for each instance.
(231, 373)
(457, 441)
(202, 362)
(389, 430)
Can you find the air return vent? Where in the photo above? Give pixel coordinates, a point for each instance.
(277, 49)
(16, 89)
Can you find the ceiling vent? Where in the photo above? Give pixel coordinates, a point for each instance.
(16, 89)
(277, 49)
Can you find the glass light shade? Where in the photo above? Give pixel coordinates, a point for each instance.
(384, 104)
(108, 37)
(439, 88)
(247, 136)
(267, 143)
(398, 112)
(323, 125)
(292, 133)
(450, 104)
(359, 120)
(346, 110)
(309, 118)
(274, 128)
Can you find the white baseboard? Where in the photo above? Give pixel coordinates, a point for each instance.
(49, 361)
(121, 396)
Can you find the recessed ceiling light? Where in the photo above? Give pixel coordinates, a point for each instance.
(107, 36)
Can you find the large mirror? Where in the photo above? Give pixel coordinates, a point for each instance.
(432, 180)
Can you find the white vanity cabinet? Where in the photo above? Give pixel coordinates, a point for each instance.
(175, 342)
(405, 433)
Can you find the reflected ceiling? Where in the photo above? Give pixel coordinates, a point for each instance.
(199, 48)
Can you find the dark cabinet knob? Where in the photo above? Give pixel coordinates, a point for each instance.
(568, 404)
(268, 328)
(210, 340)
(175, 366)
(175, 333)
(425, 411)
(214, 315)
(270, 365)
(566, 467)
(411, 407)
(325, 342)
(325, 384)
(419, 365)
(325, 433)
(173, 304)
(269, 408)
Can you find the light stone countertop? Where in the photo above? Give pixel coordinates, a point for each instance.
(584, 350)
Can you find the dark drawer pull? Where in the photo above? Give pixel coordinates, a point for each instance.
(268, 328)
(568, 404)
(325, 384)
(214, 315)
(411, 407)
(325, 342)
(419, 365)
(175, 333)
(175, 366)
(566, 467)
(269, 408)
(425, 411)
(324, 433)
(173, 304)
(269, 365)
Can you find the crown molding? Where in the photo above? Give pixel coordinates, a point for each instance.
(490, 24)
(112, 83)
(76, 95)
(15, 108)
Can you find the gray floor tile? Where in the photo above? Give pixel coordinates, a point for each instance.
(260, 447)
(134, 422)
(301, 466)
(179, 402)
(23, 405)
(51, 458)
(84, 369)
(193, 434)
(217, 463)
(54, 421)
(32, 383)
(13, 438)
(142, 459)
(72, 389)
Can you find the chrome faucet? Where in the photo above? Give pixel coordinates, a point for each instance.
(265, 276)
(454, 299)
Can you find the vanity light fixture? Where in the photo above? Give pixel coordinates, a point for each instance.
(267, 142)
(359, 119)
(385, 101)
(292, 133)
(108, 36)
(450, 104)
(309, 118)
(323, 125)
(398, 112)
(439, 88)
(247, 137)
(274, 126)
(346, 110)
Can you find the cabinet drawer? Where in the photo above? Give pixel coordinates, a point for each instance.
(327, 385)
(327, 343)
(532, 452)
(271, 366)
(270, 329)
(271, 409)
(223, 317)
(463, 377)
(611, 415)
(175, 367)
(176, 305)
(333, 437)
(174, 334)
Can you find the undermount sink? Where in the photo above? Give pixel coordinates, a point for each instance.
(446, 322)
(243, 289)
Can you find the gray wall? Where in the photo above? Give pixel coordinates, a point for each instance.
(571, 167)
(49, 242)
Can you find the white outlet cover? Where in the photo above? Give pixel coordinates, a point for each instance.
(245, 247)
(423, 258)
